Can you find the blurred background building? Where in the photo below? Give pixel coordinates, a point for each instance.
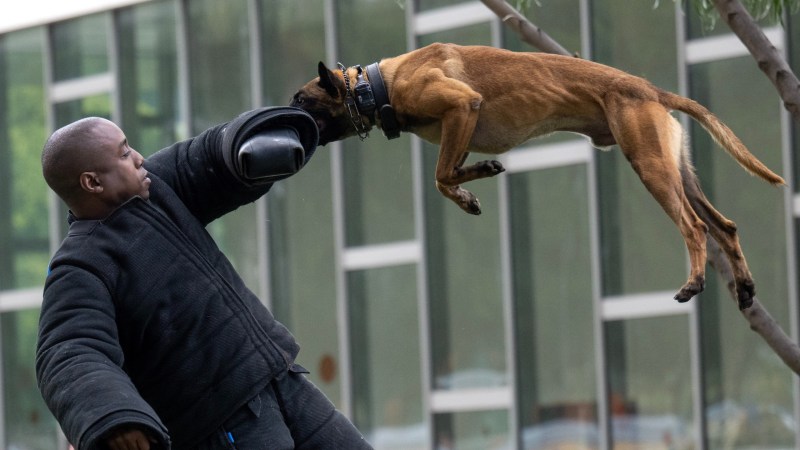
(547, 322)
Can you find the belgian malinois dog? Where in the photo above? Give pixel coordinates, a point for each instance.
(489, 100)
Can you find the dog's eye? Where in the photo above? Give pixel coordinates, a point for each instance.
(299, 100)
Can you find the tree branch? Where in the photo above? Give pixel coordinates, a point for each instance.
(527, 31)
(759, 318)
(769, 59)
(773, 64)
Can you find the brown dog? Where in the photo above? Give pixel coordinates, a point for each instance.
(488, 100)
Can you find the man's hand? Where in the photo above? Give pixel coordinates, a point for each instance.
(128, 438)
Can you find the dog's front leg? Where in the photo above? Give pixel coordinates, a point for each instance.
(457, 128)
(465, 199)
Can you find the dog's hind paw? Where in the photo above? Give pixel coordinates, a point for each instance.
(745, 292)
(689, 290)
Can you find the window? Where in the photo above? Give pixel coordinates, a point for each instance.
(148, 75)
(387, 386)
(731, 350)
(24, 245)
(553, 307)
(378, 192)
(632, 260)
(650, 383)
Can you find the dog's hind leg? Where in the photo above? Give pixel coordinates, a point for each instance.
(652, 141)
(724, 232)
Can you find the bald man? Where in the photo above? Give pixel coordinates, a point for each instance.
(148, 338)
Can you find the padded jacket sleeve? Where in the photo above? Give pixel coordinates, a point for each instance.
(79, 363)
(204, 172)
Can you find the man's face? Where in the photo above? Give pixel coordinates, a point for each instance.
(119, 167)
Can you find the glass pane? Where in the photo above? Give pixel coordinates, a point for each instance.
(220, 41)
(483, 430)
(149, 76)
(649, 380)
(559, 19)
(24, 248)
(300, 214)
(29, 424)
(80, 47)
(298, 58)
(632, 260)
(553, 308)
(645, 46)
(384, 327)
(219, 61)
(378, 185)
(731, 349)
(301, 249)
(463, 253)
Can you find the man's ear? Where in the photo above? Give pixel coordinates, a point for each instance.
(90, 183)
(328, 81)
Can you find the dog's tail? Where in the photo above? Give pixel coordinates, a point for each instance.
(721, 134)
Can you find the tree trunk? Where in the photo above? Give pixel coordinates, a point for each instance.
(769, 59)
(776, 68)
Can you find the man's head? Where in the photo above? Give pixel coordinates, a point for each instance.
(90, 165)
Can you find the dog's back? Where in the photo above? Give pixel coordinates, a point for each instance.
(523, 95)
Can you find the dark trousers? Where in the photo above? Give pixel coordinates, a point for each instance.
(291, 413)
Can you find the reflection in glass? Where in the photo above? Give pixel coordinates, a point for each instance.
(479, 430)
(387, 387)
(553, 315)
(650, 383)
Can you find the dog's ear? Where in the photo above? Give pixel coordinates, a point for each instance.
(328, 81)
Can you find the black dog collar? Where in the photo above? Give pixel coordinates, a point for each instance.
(389, 125)
(370, 98)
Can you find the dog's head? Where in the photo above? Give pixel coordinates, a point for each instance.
(324, 98)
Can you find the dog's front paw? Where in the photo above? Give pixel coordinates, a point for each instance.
(472, 206)
(491, 167)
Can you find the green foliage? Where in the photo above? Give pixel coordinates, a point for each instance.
(772, 10)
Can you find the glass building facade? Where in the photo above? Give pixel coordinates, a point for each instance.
(545, 323)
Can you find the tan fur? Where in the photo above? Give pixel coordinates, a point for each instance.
(488, 100)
